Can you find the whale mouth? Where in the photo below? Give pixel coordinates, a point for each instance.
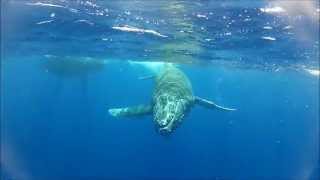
(166, 126)
(165, 131)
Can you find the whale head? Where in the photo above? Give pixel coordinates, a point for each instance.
(169, 112)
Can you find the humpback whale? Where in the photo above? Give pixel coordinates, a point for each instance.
(171, 101)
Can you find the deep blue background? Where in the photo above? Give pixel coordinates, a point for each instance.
(53, 128)
(58, 127)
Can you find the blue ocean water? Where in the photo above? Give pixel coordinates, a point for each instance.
(65, 63)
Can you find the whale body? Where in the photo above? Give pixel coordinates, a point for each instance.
(171, 101)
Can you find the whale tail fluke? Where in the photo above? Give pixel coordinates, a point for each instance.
(211, 104)
(131, 111)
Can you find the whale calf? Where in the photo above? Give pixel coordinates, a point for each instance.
(171, 101)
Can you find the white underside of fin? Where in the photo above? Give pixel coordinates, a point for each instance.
(211, 104)
(115, 111)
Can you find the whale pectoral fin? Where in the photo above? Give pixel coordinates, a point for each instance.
(211, 104)
(131, 111)
(146, 77)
